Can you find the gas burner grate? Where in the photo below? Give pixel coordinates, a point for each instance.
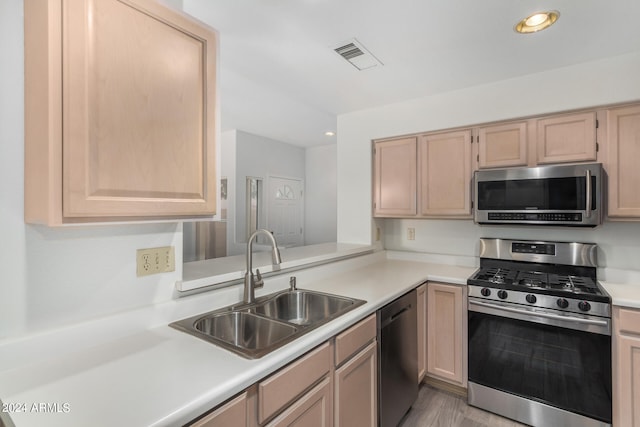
(496, 275)
(576, 284)
(532, 279)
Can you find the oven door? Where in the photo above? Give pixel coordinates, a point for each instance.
(540, 357)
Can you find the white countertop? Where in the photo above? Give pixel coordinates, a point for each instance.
(623, 295)
(119, 372)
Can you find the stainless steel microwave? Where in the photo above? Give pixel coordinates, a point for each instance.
(567, 195)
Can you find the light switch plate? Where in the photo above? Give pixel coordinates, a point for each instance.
(155, 260)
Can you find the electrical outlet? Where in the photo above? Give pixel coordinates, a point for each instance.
(377, 234)
(411, 233)
(155, 260)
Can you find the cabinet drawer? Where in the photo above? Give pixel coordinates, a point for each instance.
(355, 338)
(628, 320)
(314, 409)
(284, 386)
(232, 413)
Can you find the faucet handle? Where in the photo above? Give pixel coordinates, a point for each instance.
(258, 282)
(292, 284)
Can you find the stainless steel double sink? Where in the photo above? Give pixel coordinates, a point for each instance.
(253, 330)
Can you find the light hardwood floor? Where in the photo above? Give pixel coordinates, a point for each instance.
(441, 409)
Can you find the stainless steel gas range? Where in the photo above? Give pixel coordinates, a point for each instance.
(540, 334)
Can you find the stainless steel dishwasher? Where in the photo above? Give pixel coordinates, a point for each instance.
(397, 359)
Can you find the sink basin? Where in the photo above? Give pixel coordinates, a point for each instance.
(304, 307)
(253, 330)
(241, 329)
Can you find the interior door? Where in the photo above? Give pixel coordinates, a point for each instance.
(285, 209)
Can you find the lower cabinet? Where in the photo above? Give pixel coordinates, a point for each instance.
(333, 385)
(447, 333)
(281, 389)
(312, 410)
(626, 367)
(355, 378)
(230, 414)
(422, 331)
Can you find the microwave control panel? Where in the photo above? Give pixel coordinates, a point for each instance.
(522, 216)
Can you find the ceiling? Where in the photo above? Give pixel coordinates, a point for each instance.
(280, 78)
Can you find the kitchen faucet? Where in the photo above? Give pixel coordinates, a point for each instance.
(250, 281)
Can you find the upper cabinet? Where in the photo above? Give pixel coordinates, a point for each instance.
(429, 178)
(395, 177)
(445, 174)
(623, 152)
(502, 145)
(120, 107)
(566, 138)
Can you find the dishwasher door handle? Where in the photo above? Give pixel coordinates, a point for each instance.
(393, 317)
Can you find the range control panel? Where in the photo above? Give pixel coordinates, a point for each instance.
(533, 248)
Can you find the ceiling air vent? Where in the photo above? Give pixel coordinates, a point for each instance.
(357, 55)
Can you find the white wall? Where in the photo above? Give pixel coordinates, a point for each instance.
(584, 85)
(320, 212)
(53, 277)
(257, 156)
(618, 243)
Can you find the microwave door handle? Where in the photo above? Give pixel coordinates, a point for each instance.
(587, 213)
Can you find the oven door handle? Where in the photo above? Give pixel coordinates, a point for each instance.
(599, 323)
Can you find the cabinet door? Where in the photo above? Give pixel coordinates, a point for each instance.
(445, 174)
(566, 138)
(356, 396)
(445, 332)
(231, 414)
(395, 178)
(422, 331)
(502, 145)
(623, 152)
(626, 367)
(314, 409)
(135, 107)
(627, 404)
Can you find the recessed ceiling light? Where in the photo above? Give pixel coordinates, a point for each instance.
(537, 22)
(329, 133)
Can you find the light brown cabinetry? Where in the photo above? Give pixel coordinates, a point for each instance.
(561, 138)
(422, 331)
(446, 333)
(502, 145)
(395, 177)
(284, 387)
(626, 367)
(623, 152)
(120, 106)
(355, 379)
(566, 138)
(356, 390)
(231, 414)
(429, 178)
(311, 410)
(445, 174)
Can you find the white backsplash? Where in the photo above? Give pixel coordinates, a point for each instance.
(618, 242)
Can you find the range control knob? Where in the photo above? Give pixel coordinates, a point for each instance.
(502, 294)
(531, 299)
(485, 292)
(584, 306)
(562, 303)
